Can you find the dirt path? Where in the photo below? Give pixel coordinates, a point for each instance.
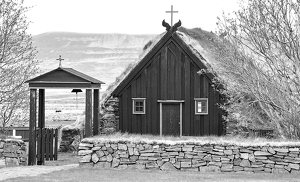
(14, 172)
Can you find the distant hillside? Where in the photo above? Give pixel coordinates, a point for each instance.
(103, 56)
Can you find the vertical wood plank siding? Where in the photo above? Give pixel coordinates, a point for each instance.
(170, 74)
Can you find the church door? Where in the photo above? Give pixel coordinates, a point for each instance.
(170, 119)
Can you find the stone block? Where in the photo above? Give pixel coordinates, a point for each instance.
(261, 153)
(102, 159)
(185, 164)
(85, 158)
(231, 147)
(99, 145)
(278, 166)
(238, 168)
(251, 158)
(160, 162)
(269, 165)
(253, 169)
(282, 150)
(224, 159)
(281, 163)
(186, 149)
(245, 163)
(207, 158)
(294, 166)
(209, 169)
(122, 146)
(107, 145)
(168, 167)
(271, 150)
(93, 149)
(294, 150)
(109, 158)
(133, 158)
(261, 157)
(172, 160)
(244, 155)
(173, 149)
(216, 159)
(177, 165)
(114, 146)
(288, 168)
(100, 153)
(215, 164)
(115, 162)
(90, 145)
(219, 147)
(217, 153)
(95, 158)
(135, 151)
(110, 150)
(243, 150)
(184, 160)
(149, 155)
(85, 148)
(130, 151)
(267, 162)
(131, 145)
(237, 162)
(228, 152)
(84, 152)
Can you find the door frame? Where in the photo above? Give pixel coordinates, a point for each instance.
(161, 102)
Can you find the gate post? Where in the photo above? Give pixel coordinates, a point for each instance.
(96, 113)
(41, 124)
(88, 113)
(32, 128)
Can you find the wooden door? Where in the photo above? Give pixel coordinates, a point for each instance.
(171, 119)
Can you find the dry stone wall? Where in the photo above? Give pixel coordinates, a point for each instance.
(12, 152)
(189, 157)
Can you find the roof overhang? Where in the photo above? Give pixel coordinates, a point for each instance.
(64, 78)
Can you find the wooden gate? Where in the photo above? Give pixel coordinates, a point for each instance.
(47, 145)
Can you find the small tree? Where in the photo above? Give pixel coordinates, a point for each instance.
(17, 63)
(261, 63)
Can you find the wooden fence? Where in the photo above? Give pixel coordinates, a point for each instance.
(47, 144)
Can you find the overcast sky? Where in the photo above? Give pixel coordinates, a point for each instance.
(123, 16)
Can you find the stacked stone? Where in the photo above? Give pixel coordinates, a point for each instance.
(12, 152)
(69, 140)
(191, 157)
(109, 119)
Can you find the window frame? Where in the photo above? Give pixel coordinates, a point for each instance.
(134, 100)
(197, 100)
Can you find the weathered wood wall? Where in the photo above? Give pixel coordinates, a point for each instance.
(170, 75)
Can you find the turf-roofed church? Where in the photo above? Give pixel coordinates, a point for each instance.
(164, 94)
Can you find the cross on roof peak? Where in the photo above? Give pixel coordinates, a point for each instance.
(60, 59)
(171, 14)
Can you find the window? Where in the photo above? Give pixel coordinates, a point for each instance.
(201, 106)
(138, 105)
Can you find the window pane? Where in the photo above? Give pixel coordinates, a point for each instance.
(199, 107)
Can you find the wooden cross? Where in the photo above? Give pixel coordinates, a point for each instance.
(171, 14)
(60, 59)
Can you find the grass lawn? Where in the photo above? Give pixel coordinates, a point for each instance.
(112, 175)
